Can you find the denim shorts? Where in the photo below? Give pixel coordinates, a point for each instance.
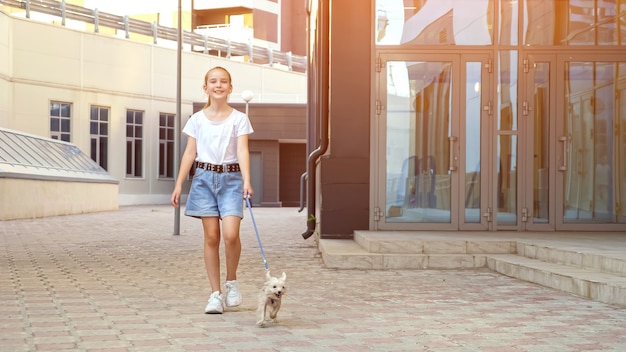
(215, 194)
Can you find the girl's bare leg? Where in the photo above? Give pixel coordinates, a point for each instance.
(211, 226)
(232, 244)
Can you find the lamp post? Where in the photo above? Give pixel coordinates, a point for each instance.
(177, 120)
(247, 95)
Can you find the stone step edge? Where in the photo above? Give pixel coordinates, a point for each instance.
(572, 257)
(409, 244)
(346, 254)
(399, 244)
(590, 284)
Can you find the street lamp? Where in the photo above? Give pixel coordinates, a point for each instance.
(247, 95)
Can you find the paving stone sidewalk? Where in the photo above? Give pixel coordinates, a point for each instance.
(120, 281)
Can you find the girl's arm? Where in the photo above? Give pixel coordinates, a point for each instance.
(186, 162)
(243, 156)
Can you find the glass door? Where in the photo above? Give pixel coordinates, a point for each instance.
(431, 121)
(538, 143)
(591, 153)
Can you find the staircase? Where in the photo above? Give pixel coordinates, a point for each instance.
(574, 264)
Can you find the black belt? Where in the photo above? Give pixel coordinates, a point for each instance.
(219, 168)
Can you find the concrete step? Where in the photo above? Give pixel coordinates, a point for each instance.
(573, 256)
(431, 243)
(592, 284)
(577, 268)
(348, 254)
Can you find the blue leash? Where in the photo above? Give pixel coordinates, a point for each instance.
(257, 233)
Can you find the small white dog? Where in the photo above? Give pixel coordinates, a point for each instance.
(269, 298)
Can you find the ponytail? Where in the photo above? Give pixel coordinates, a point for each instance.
(208, 103)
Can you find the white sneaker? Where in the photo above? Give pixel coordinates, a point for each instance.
(233, 296)
(216, 304)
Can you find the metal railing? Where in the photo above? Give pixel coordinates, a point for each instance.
(129, 25)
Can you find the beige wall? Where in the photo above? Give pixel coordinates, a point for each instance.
(22, 199)
(40, 62)
(5, 96)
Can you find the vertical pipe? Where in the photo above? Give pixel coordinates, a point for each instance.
(318, 73)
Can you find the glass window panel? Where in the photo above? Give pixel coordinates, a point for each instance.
(507, 91)
(129, 158)
(507, 180)
(434, 22)
(161, 159)
(594, 146)
(54, 109)
(104, 144)
(509, 20)
(94, 149)
(65, 110)
(419, 99)
(54, 124)
(138, 131)
(170, 159)
(541, 135)
(580, 22)
(138, 151)
(473, 111)
(619, 160)
(93, 128)
(65, 125)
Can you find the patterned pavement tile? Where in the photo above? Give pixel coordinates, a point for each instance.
(120, 281)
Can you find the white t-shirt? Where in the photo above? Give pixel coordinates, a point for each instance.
(216, 142)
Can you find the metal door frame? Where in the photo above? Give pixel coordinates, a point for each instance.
(379, 143)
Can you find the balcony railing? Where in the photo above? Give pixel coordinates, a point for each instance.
(209, 45)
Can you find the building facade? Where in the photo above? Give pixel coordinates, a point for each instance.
(115, 99)
(474, 115)
(276, 24)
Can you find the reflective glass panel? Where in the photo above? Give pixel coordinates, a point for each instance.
(507, 91)
(576, 22)
(473, 111)
(508, 22)
(620, 157)
(594, 163)
(507, 180)
(434, 22)
(419, 105)
(541, 135)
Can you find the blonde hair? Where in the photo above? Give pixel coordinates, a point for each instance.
(206, 78)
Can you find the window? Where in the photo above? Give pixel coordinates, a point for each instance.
(99, 134)
(134, 143)
(60, 116)
(166, 145)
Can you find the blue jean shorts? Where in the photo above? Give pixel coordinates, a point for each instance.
(215, 194)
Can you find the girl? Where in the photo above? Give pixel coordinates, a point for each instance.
(217, 142)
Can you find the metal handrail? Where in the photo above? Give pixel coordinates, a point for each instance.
(129, 25)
